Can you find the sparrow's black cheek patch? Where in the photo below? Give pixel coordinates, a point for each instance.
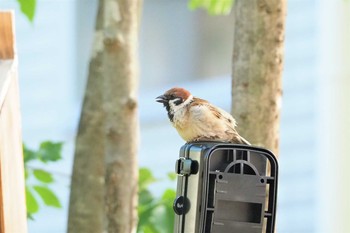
(178, 101)
(171, 116)
(170, 113)
(167, 106)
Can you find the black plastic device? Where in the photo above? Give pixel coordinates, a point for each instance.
(225, 188)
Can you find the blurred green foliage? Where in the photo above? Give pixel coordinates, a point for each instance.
(156, 214)
(214, 7)
(39, 181)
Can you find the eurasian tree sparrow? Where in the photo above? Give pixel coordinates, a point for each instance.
(197, 120)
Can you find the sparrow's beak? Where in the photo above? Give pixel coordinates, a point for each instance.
(162, 99)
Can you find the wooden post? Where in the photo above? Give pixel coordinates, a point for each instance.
(12, 189)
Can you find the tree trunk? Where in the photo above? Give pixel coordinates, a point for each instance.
(104, 182)
(257, 69)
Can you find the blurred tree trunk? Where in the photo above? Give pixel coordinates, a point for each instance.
(104, 182)
(257, 69)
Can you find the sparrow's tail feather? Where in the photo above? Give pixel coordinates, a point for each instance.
(238, 139)
(244, 141)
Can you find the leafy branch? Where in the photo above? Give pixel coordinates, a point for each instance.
(42, 179)
(156, 214)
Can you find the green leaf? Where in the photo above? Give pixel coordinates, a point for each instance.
(145, 178)
(30, 216)
(163, 219)
(214, 7)
(161, 216)
(145, 213)
(28, 8)
(145, 197)
(172, 176)
(168, 212)
(49, 198)
(150, 229)
(43, 176)
(169, 194)
(194, 4)
(50, 151)
(28, 154)
(26, 173)
(32, 204)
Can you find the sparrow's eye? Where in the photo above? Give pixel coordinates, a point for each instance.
(178, 101)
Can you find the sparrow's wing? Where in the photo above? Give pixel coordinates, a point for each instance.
(203, 110)
(231, 123)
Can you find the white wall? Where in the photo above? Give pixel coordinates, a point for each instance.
(333, 126)
(297, 189)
